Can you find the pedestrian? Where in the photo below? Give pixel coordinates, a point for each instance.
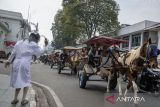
(20, 58)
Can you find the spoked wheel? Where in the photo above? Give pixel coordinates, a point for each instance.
(83, 78)
(75, 70)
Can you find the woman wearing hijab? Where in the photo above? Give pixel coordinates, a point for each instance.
(20, 58)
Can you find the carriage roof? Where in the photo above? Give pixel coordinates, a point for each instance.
(71, 48)
(103, 40)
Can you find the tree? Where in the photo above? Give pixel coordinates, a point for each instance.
(65, 29)
(83, 19)
(98, 16)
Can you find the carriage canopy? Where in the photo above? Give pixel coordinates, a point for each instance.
(103, 40)
(70, 48)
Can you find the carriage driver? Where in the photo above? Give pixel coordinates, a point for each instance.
(64, 56)
(94, 54)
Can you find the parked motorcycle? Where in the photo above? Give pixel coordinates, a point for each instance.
(149, 80)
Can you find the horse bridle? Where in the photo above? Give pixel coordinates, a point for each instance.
(145, 59)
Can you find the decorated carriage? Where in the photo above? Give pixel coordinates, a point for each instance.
(55, 57)
(93, 65)
(138, 67)
(70, 57)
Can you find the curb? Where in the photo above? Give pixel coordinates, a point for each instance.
(52, 93)
(31, 97)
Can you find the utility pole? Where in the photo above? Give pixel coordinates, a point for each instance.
(35, 25)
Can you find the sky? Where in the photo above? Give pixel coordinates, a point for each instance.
(133, 11)
(43, 11)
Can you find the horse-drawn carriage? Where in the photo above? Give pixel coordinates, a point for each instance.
(55, 57)
(136, 65)
(70, 57)
(94, 63)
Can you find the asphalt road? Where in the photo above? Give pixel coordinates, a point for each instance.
(66, 86)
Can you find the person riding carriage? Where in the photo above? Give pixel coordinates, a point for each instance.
(70, 58)
(64, 56)
(94, 55)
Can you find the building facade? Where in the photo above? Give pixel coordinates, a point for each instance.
(4, 30)
(17, 29)
(138, 33)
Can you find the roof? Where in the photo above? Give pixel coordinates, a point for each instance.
(11, 14)
(136, 27)
(103, 40)
(70, 48)
(4, 26)
(154, 27)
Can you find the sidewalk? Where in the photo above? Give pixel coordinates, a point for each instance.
(7, 93)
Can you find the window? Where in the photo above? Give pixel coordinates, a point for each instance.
(136, 39)
(125, 45)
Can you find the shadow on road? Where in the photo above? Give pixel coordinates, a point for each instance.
(99, 88)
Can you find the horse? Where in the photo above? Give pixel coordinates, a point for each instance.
(54, 58)
(74, 61)
(109, 66)
(127, 64)
(135, 60)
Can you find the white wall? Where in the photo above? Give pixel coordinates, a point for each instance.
(159, 39)
(14, 26)
(136, 27)
(2, 36)
(159, 42)
(14, 19)
(154, 36)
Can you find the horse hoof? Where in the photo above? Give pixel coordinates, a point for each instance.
(107, 91)
(136, 102)
(120, 94)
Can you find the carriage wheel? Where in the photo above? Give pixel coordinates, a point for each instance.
(82, 79)
(75, 70)
(113, 83)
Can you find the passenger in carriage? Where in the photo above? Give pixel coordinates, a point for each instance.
(84, 52)
(104, 57)
(94, 55)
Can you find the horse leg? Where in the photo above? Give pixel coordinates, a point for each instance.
(135, 88)
(129, 85)
(131, 82)
(119, 85)
(108, 83)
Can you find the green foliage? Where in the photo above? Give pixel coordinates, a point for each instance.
(83, 19)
